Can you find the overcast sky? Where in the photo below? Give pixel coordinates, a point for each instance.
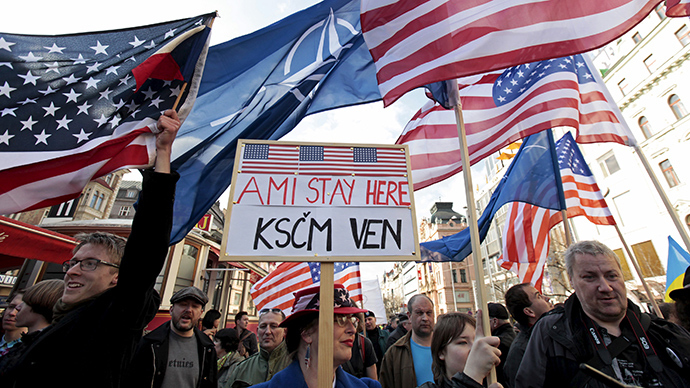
(369, 123)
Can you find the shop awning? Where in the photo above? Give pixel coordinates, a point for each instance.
(19, 241)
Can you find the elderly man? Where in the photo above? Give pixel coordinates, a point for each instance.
(177, 353)
(600, 327)
(271, 358)
(109, 296)
(526, 304)
(407, 364)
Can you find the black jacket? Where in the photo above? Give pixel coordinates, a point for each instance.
(92, 346)
(149, 365)
(560, 342)
(506, 334)
(460, 380)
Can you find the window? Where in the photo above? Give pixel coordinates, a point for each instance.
(463, 276)
(648, 259)
(637, 38)
(99, 202)
(609, 164)
(237, 297)
(649, 63)
(660, 11)
(108, 178)
(645, 127)
(455, 276)
(185, 273)
(94, 199)
(131, 193)
(677, 106)
(124, 211)
(669, 173)
(627, 275)
(682, 35)
(623, 86)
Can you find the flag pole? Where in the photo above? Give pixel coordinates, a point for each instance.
(559, 185)
(325, 372)
(664, 198)
(639, 272)
(482, 296)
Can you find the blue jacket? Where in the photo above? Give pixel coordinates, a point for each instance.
(292, 377)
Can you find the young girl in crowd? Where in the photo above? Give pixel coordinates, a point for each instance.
(462, 356)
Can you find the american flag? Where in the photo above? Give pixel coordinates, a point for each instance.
(75, 107)
(414, 43)
(677, 8)
(502, 107)
(276, 290)
(526, 233)
(322, 160)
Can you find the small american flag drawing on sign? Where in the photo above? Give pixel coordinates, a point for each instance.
(322, 160)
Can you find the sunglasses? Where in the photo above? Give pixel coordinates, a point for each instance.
(343, 320)
(275, 311)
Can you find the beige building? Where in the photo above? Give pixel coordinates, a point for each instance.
(448, 284)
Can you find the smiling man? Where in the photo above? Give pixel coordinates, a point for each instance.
(599, 326)
(177, 353)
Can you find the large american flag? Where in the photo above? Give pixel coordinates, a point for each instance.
(526, 233)
(414, 43)
(75, 107)
(277, 288)
(501, 107)
(322, 160)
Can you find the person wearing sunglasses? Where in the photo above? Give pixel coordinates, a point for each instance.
(109, 294)
(302, 342)
(272, 356)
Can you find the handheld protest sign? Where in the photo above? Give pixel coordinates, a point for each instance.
(320, 202)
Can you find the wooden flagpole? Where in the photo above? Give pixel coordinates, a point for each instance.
(325, 373)
(639, 272)
(482, 296)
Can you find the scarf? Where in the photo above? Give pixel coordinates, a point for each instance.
(61, 309)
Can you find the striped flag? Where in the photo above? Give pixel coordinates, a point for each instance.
(677, 8)
(526, 241)
(526, 234)
(322, 160)
(414, 43)
(504, 106)
(276, 290)
(76, 107)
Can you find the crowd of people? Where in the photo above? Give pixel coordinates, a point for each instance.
(88, 329)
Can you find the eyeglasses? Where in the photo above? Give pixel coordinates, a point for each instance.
(343, 320)
(86, 264)
(275, 311)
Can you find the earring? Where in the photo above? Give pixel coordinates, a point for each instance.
(307, 357)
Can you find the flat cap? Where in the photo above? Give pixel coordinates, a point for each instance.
(190, 293)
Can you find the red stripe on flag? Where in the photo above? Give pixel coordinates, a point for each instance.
(157, 66)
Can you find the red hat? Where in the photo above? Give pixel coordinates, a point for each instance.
(307, 302)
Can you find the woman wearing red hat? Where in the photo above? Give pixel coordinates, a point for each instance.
(302, 342)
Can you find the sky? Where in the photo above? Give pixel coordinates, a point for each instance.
(370, 123)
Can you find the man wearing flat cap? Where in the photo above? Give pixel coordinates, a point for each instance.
(177, 354)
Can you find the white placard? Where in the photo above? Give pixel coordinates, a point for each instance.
(290, 201)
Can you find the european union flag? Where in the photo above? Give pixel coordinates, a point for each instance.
(530, 178)
(260, 86)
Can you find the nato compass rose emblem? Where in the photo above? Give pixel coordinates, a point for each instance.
(315, 53)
